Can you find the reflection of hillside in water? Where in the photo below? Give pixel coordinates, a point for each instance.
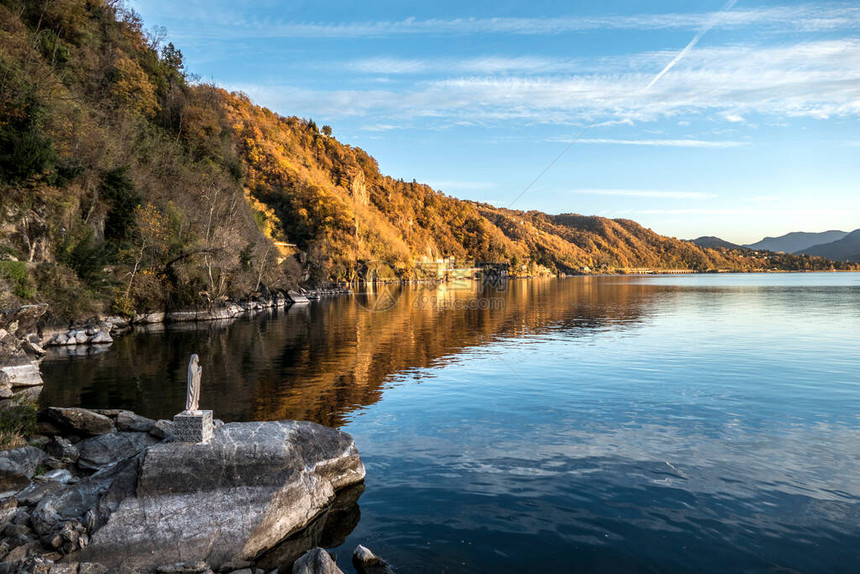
(322, 361)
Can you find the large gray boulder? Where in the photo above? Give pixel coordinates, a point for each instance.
(26, 375)
(224, 501)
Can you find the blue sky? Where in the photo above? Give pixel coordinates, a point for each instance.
(753, 131)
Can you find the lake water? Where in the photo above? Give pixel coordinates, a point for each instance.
(706, 423)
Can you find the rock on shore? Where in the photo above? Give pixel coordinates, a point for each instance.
(18, 353)
(318, 561)
(131, 498)
(227, 500)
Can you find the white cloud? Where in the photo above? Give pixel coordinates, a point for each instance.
(733, 118)
(382, 127)
(611, 123)
(645, 193)
(811, 79)
(662, 142)
(486, 65)
(822, 212)
(227, 22)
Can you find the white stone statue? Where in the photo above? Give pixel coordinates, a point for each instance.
(192, 401)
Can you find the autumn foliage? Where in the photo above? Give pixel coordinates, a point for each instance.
(126, 183)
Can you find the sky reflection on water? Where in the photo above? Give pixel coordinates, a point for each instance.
(699, 423)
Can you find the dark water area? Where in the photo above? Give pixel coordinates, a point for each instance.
(703, 423)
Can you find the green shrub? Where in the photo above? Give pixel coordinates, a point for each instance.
(53, 49)
(16, 273)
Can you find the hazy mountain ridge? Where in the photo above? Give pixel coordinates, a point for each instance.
(126, 185)
(844, 249)
(797, 241)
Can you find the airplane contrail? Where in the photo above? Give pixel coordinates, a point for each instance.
(710, 24)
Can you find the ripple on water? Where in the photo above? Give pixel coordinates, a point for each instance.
(657, 424)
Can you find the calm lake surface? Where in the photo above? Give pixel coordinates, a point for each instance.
(706, 423)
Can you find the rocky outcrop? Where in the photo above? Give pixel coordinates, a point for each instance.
(227, 500)
(256, 494)
(19, 349)
(150, 317)
(97, 335)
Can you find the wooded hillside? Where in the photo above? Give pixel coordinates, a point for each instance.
(127, 185)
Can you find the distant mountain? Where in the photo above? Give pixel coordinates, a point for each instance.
(711, 242)
(797, 241)
(845, 249)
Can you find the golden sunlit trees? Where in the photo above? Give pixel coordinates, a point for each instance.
(123, 178)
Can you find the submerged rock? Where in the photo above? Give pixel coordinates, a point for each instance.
(316, 561)
(227, 500)
(366, 562)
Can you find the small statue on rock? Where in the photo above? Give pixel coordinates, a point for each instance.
(192, 400)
